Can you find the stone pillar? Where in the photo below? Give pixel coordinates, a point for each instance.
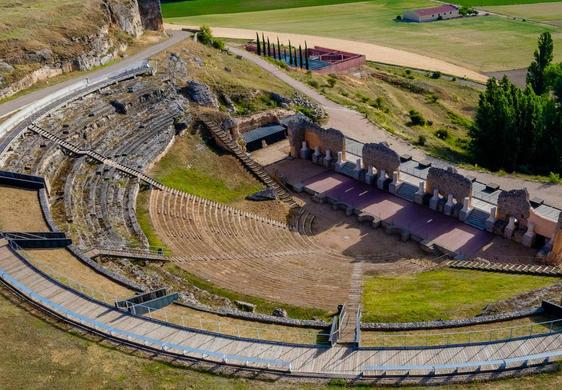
(510, 228)
(316, 156)
(327, 162)
(465, 211)
(395, 183)
(491, 221)
(448, 209)
(420, 193)
(369, 175)
(340, 161)
(358, 168)
(434, 201)
(381, 179)
(305, 151)
(529, 236)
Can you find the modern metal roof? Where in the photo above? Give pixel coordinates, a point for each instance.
(261, 132)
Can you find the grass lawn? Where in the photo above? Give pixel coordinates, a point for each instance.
(487, 43)
(191, 166)
(441, 294)
(544, 12)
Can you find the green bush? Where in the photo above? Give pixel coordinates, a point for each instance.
(416, 118)
(205, 36)
(313, 83)
(442, 134)
(554, 178)
(421, 140)
(436, 75)
(332, 82)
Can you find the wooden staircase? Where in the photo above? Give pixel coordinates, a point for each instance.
(282, 193)
(350, 327)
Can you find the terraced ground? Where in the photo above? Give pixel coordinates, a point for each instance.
(477, 43)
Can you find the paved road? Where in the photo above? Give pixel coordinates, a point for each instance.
(354, 125)
(16, 104)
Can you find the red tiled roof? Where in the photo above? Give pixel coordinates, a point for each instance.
(436, 10)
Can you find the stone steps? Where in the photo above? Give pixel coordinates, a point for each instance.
(544, 270)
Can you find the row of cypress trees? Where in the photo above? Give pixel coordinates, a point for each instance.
(291, 55)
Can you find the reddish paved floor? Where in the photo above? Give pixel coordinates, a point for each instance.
(421, 221)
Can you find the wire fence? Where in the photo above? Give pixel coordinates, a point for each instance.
(231, 327)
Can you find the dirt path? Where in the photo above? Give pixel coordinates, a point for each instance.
(354, 125)
(373, 52)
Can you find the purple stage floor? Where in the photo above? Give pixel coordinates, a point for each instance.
(444, 231)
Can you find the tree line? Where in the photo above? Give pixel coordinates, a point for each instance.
(521, 129)
(290, 55)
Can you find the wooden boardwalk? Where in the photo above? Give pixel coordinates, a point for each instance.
(296, 359)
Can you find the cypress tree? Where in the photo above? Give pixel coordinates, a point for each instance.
(284, 54)
(274, 52)
(268, 48)
(543, 58)
(306, 56)
(290, 54)
(258, 45)
(300, 56)
(263, 49)
(278, 48)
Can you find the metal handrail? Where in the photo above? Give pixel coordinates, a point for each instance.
(140, 339)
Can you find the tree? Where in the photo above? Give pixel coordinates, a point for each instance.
(264, 48)
(301, 63)
(290, 54)
(554, 80)
(268, 48)
(278, 48)
(543, 58)
(258, 44)
(306, 56)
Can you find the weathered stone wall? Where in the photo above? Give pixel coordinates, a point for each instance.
(448, 181)
(514, 203)
(380, 156)
(555, 255)
(151, 14)
(300, 128)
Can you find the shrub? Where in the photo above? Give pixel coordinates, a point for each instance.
(416, 119)
(205, 36)
(421, 140)
(442, 134)
(331, 82)
(554, 178)
(378, 103)
(313, 83)
(398, 18)
(436, 75)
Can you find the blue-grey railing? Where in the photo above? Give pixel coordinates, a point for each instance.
(140, 339)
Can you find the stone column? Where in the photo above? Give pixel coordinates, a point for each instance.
(529, 236)
(420, 193)
(381, 179)
(369, 175)
(448, 209)
(491, 221)
(510, 228)
(434, 201)
(305, 152)
(395, 183)
(465, 211)
(316, 155)
(358, 168)
(340, 161)
(327, 162)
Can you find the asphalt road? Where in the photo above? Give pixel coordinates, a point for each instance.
(16, 104)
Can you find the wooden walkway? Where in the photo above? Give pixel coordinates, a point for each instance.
(295, 359)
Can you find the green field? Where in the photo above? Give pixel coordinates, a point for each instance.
(441, 294)
(176, 9)
(487, 43)
(544, 12)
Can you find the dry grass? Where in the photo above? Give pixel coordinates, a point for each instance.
(20, 211)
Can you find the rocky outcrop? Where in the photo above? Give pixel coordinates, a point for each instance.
(151, 14)
(201, 94)
(100, 40)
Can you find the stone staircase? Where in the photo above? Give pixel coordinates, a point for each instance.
(477, 218)
(348, 331)
(282, 193)
(407, 191)
(483, 265)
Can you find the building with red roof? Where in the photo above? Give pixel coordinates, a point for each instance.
(447, 11)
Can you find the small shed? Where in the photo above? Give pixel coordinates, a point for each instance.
(269, 134)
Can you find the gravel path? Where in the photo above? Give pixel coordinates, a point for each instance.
(354, 125)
